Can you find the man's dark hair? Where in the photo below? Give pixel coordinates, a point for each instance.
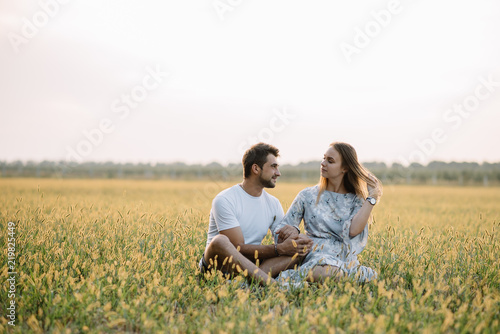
(257, 154)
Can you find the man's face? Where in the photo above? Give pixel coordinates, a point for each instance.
(269, 172)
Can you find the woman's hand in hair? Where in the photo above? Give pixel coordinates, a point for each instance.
(374, 187)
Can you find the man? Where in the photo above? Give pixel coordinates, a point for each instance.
(239, 221)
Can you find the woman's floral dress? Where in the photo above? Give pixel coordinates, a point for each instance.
(327, 224)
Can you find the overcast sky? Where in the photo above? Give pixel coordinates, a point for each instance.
(201, 80)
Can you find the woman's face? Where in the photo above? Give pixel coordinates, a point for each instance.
(331, 166)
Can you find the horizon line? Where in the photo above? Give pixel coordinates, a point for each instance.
(154, 163)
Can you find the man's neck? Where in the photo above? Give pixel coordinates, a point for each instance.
(252, 188)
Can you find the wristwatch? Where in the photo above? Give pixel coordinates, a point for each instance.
(371, 200)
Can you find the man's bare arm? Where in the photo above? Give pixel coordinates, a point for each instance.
(301, 245)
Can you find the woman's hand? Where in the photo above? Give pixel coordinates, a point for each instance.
(374, 189)
(286, 232)
(299, 244)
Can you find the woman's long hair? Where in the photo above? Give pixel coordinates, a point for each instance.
(356, 178)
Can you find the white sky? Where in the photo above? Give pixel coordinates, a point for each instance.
(227, 77)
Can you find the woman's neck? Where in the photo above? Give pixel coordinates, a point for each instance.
(337, 186)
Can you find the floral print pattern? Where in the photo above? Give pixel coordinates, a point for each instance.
(327, 223)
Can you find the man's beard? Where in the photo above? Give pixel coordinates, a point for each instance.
(266, 183)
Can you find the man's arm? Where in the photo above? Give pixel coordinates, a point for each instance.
(300, 244)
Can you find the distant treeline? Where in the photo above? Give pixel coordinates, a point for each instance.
(436, 172)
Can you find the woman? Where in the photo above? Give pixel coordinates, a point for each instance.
(335, 214)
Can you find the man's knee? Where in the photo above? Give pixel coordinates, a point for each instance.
(220, 245)
(220, 242)
(218, 252)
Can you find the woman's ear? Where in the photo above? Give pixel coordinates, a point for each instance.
(345, 168)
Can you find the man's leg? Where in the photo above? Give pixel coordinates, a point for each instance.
(276, 265)
(229, 259)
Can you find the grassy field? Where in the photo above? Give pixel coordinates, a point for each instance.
(121, 256)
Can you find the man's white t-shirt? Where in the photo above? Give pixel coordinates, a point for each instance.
(234, 207)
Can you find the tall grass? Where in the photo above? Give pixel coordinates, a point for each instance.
(121, 256)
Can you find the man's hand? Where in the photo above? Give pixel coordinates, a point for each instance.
(286, 232)
(299, 244)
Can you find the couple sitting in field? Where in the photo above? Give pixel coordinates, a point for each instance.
(335, 214)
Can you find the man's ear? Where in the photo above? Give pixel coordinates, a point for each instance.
(255, 168)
